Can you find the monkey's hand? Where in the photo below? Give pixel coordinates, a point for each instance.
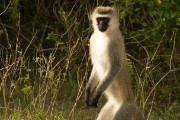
(87, 97)
(95, 99)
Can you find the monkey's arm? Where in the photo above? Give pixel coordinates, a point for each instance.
(90, 87)
(112, 71)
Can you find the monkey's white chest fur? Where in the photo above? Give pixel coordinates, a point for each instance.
(99, 54)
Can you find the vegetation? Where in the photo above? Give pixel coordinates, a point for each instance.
(44, 61)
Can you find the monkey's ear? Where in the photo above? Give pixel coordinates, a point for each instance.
(91, 16)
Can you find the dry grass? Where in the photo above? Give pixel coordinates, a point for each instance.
(41, 82)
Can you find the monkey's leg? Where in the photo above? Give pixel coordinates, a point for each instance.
(107, 112)
(124, 112)
(139, 115)
(128, 111)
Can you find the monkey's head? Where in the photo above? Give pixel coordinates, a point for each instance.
(104, 19)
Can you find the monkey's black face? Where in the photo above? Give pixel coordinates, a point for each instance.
(102, 23)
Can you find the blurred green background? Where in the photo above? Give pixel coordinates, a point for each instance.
(44, 57)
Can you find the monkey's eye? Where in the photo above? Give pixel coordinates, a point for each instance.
(106, 20)
(102, 20)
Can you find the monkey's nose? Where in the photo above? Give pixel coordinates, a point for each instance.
(102, 27)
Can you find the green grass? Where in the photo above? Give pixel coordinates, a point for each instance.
(44, 58)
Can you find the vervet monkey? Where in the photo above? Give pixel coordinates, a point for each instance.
(110, 71)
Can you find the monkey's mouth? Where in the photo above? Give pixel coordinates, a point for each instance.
(102, 28)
